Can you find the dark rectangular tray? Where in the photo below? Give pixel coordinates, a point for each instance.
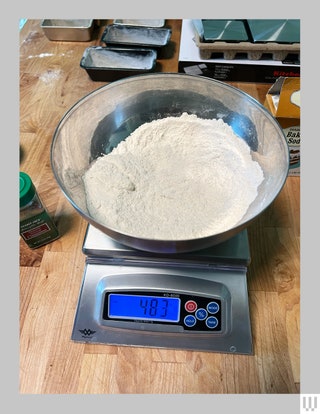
(141, 22)
(224, 31)
(115, 34)
(108, 63)
(275, 30)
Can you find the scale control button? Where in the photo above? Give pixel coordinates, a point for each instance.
(201, 314)
(190, 306)
(212, 322)
(213, 307)
(190, 321)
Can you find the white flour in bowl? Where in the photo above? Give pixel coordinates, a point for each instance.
(175, 178)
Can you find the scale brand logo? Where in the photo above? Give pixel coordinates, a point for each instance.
(309, 404)
(87, 333)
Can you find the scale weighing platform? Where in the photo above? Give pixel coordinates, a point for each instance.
(195, 301)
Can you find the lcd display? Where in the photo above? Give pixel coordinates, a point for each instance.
(144, 307)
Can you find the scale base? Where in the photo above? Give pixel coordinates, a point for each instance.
(229, 286)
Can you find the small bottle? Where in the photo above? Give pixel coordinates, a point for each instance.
(36, 226)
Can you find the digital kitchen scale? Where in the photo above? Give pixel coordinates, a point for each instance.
(194, 301)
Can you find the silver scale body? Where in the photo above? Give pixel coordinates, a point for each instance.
(219, 273)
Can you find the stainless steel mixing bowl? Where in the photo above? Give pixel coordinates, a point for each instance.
(100, 120)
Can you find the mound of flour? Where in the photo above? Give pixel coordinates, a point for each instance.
(173, 179)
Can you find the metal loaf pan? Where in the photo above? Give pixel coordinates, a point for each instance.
(68, 30)
(275, 30)
(141, 22)
(109, 64)
(115, 34)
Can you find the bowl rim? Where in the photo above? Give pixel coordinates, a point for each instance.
(166, 245)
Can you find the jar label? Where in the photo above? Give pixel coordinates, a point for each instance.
(38, 230)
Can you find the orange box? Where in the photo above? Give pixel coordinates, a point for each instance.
(283, 101)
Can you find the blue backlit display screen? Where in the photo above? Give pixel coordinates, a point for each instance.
(143, 307)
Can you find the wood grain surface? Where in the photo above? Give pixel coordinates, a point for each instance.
(51, 81)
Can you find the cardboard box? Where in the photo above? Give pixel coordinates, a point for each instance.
(283, 101)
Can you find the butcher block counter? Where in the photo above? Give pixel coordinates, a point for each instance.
(51, 81)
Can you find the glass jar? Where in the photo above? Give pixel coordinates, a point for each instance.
(36, 226)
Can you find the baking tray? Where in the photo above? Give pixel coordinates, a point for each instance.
(68, 30)
(224, 30)
(115, 34)
(275, 30)
(109, 64)
(141, 22)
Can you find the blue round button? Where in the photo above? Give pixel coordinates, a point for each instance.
(190, 321)
(213, 307)
(201, 314)
(212, 322)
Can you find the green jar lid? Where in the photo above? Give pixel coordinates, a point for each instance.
(27, 189)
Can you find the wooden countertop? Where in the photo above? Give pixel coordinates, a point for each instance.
(51, 81)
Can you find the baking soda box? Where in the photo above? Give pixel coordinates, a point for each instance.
(283, 101)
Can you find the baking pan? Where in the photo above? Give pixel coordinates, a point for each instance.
(141, 22)
(115, 34)
(275, 30)
(224, 30)
(68, 30)
(109, 64)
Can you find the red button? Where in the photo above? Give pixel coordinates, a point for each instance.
(190, 306)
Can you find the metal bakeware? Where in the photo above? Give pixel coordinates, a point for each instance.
(115, 34)
(254, 51)
(141, 22)
(224, 30)
(254, 38)
(68, 30)
(275, 30)
(109, 64)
